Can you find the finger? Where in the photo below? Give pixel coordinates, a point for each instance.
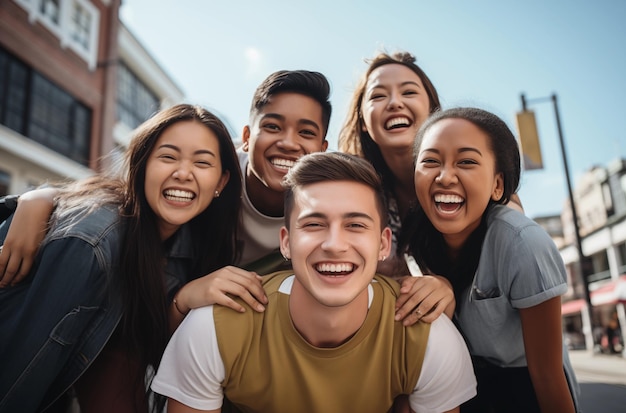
(11, 270)
(228, 287)
(4, 257)
(412, 318)
(433, 315)
(410, 304)
(407, 283)
(409, 287)
(226, 301)
(253, 303)
(24, 270)
(252, 283)
(401, 300)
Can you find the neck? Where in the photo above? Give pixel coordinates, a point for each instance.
(326, 326)
(264, 199)
(400, 163)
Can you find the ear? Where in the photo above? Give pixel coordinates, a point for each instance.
(498, 187)
(361, 121)
(284, 242)
(324, 145)
(223, 181)
(245, 138)
(385, 243)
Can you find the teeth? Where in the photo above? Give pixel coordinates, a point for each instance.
(397, 122)
(178, 195)
(448, 199)
(283, 163)
(346, 267)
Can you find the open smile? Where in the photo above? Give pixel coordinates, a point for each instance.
(178, 195)
(448, 204)
(335, 269)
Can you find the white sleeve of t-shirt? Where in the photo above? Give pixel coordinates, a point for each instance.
(447, 378)
(192, 369)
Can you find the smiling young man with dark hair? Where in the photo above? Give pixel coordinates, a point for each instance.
(327, 341)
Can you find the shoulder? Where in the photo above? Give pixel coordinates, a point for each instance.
(100, 225)
(503, 216)
(447, 377)
(272, 282)
(388, 285)
(506, 225)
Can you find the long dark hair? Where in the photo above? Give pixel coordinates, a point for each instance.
(422, 239)
(145, 321)
(144, 328)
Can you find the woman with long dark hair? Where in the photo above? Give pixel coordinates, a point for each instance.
(505, 270)
(111, 278)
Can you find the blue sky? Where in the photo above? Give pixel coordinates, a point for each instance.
(482, 53)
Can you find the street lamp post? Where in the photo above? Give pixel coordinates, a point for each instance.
(583, 261)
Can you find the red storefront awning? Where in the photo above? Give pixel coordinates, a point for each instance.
(612, 292)
(572, 307)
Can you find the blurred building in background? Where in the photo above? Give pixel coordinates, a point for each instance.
(600, 197)
(74, 83)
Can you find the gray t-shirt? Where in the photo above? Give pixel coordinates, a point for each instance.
(258, 232)
(520, 267)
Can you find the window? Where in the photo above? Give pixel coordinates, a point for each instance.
(49, 9)
(135, 102)
(5, 181)
(74, 22)
(38, 109)
(13, 87)
(81, 26)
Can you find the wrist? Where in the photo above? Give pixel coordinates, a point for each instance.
(178, 306)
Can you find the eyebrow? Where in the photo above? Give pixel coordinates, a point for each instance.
(461, 150)
(281, 118)
(347, 215)
(408, 82)
(177, 149)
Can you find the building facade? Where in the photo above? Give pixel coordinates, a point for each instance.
(600, 197)
(74, 83)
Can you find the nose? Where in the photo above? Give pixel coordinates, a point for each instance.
(446, 176)
(289, 140)
(335, 240)
(395, 101)
(183, 172)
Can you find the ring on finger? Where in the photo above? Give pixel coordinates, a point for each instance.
(418, 312)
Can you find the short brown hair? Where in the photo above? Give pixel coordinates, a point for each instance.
(332, 166)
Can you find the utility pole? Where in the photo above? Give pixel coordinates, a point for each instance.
(584, 263)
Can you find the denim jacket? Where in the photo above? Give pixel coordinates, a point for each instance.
(57, 321)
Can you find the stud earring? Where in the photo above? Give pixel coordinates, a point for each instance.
(384, 258)
(217, 194)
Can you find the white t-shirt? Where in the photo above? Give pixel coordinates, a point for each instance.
(258, 232)
(192, 370)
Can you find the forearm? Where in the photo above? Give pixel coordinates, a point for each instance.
(541, 325)
(552, 391)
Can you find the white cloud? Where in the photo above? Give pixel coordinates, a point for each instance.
(254, 62)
